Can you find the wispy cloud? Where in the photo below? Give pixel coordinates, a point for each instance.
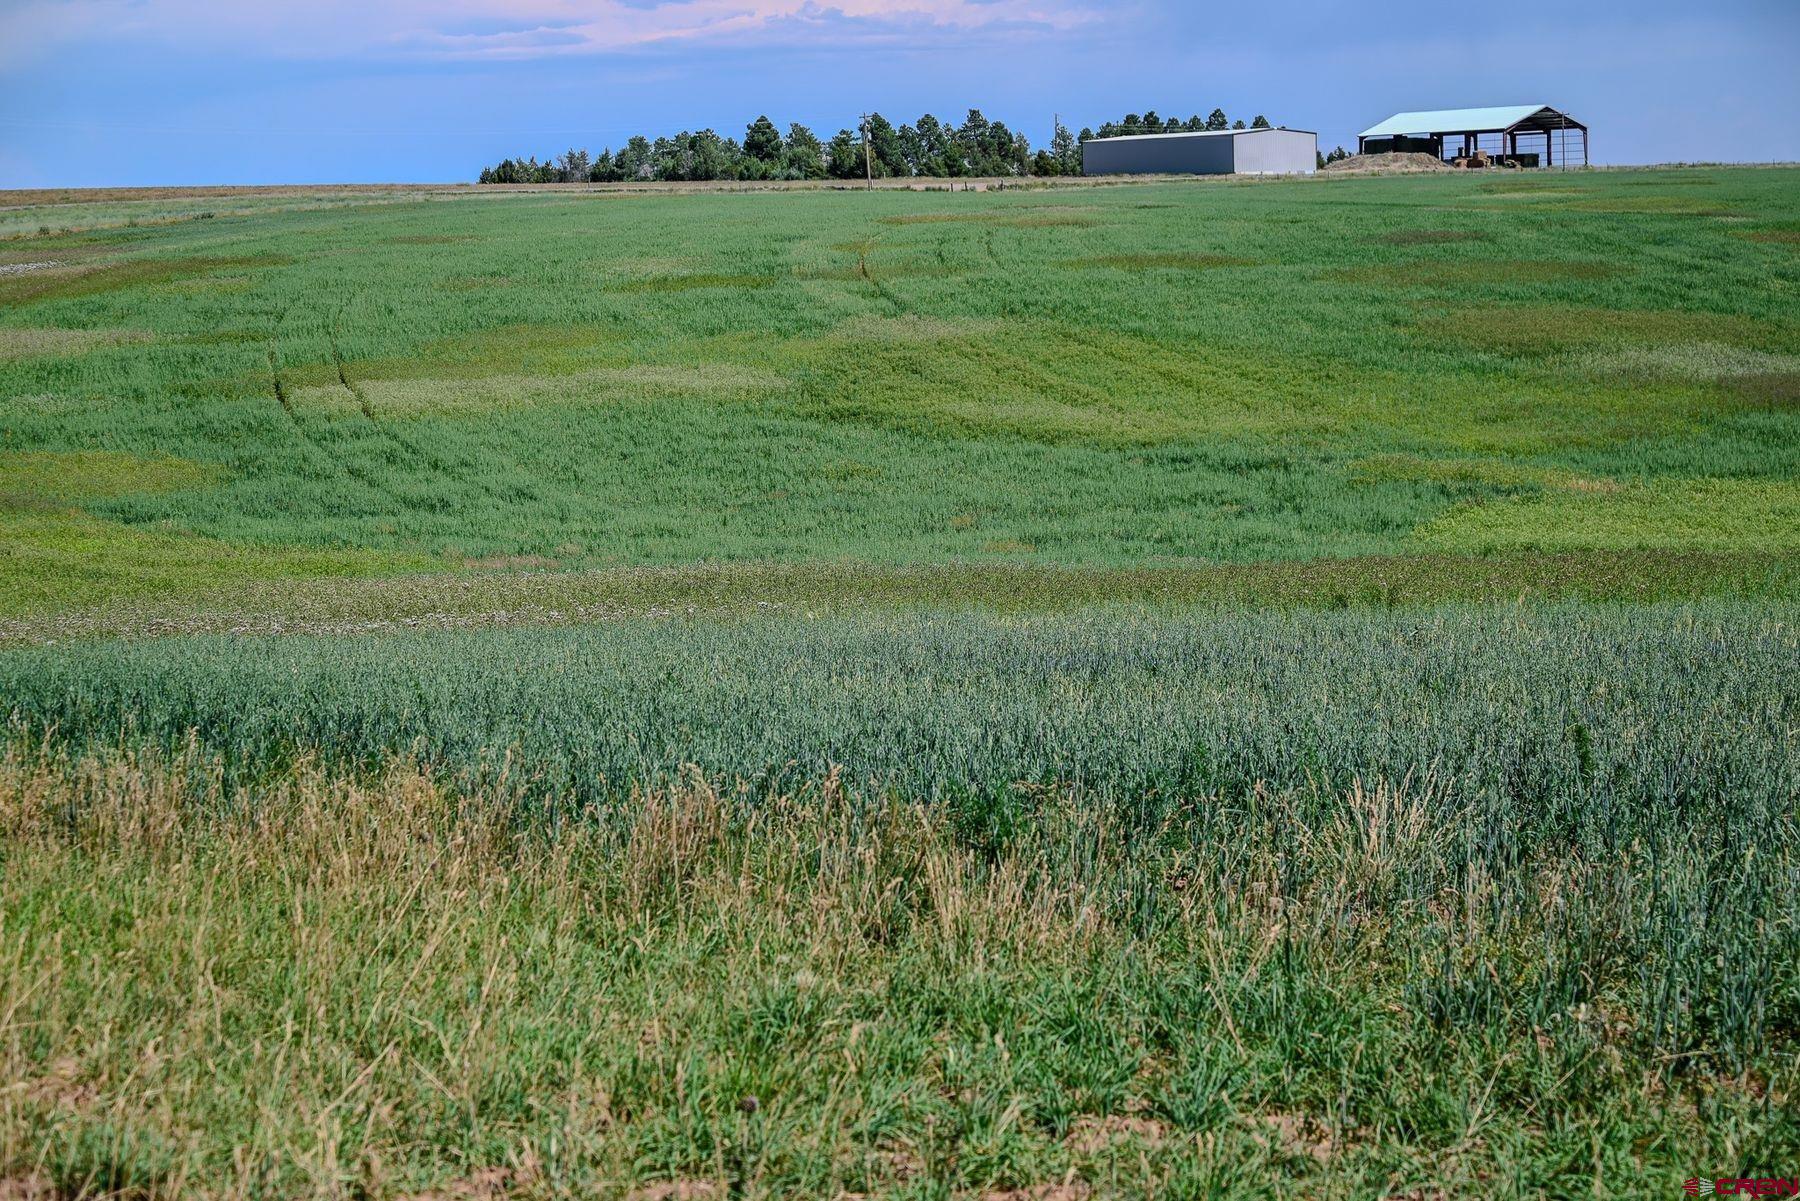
(516, 29)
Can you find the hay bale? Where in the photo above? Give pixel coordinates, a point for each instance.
(1406, 163)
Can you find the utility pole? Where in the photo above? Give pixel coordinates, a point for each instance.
(868, 160)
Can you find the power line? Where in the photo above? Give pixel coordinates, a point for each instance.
(868, 162)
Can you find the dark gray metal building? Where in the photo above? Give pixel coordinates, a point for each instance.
(1204, 152)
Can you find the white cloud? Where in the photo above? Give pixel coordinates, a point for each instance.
(465, 29)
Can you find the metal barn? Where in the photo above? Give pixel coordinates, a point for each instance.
(1548, 135)
(1204, 152)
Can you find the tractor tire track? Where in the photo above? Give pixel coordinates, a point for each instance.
(882, 291)
(459, 470)
(337, 461)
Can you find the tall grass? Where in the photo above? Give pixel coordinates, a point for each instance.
(1594, 722)
(1367, 898)
(334, 987)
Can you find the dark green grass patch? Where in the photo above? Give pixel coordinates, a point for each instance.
(72, 283)
(1771, 389)
(1477, 272)
(1540, 328)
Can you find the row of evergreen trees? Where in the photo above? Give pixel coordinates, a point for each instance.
(927, 147)
(1151, 123)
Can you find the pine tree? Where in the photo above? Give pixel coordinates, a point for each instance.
(885, 149)
(762, 140)
(805, 158)
(843, 157)
(1065, 150)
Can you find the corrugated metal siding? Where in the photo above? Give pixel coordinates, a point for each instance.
(1453, 120)
(1216, 152)
(1168, 154)
(1276, 152)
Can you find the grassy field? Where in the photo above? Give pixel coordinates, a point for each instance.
(1130, 691)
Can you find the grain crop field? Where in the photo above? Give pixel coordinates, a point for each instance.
(1153, 690)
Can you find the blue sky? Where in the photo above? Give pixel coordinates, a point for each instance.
(137, 92)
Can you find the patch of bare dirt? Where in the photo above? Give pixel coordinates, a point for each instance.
(62, 1086)
(1089, 1135)
(1410, 163)
(30, 1186)
(489, 1184)
(1068, 1190)
(676, 1190)
(1299, 1135)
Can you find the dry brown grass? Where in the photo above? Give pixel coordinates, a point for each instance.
(398, 986)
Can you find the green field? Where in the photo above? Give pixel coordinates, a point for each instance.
(1138, 690)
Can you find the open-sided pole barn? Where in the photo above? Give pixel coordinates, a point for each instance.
(1461, 132)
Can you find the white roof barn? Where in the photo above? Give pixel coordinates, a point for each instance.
(1464, 129)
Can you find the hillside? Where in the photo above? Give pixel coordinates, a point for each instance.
(1150, 690)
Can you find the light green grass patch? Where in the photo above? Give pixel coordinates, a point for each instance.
(61, 560)
(1654, 206)
(995, 217)
(1483, 473)
(44, 476)
(54, 556)
(514, 349)
(1715, 515)
(914, 327)
(456, 397)
(57, 343)
(696, 281)
(1174, 261)
(1688, 360)
(1429, 237)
